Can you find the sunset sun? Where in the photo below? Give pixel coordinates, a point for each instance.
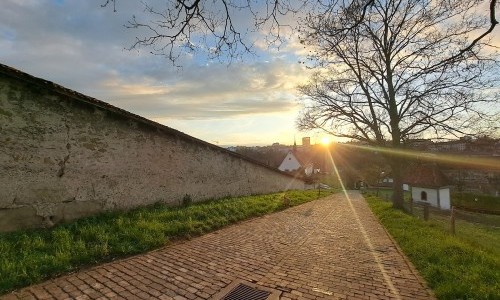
(325, 140)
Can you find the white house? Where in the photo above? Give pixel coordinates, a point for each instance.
(437, 197)
(429, 185)
(290, 163)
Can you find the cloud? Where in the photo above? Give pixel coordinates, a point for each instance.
(210, 92)
(80, 45)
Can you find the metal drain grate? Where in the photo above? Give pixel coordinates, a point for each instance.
(245, 292)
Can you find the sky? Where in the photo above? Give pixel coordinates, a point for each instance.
(82, 46)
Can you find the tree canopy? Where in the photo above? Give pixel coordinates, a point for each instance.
(401, 72)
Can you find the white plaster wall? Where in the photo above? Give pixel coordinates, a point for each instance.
(444, 198)
(431, 195)
(63, 159)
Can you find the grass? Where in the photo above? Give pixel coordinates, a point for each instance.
(386, 193)
(478, 202)
(464, 266)
(29, 257)
(463, 217)
(486, 203)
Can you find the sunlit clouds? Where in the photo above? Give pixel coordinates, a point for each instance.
(81, 46)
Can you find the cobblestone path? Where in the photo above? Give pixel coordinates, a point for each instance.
(332, 248)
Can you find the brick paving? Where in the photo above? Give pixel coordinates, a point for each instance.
(332, 248)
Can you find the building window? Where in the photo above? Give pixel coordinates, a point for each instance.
(423, 196)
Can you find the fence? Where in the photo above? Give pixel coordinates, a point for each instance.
(450, 220)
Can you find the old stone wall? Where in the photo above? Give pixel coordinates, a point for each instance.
(64, 155)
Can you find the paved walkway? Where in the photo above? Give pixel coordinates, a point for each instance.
(333, 248)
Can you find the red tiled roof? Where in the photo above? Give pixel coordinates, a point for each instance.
(426, 176)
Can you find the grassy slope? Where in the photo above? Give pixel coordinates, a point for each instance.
(484, 202)
(31, 256)
(465, 266)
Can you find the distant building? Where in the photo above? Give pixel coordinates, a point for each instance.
(451, 146)
(419, 144)
(385, 180)
(480, 145)
(298, 161)
(306, 141)
(290, 163)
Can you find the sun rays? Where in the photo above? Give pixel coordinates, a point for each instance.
(467, 161)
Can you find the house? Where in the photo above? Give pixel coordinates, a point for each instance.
(385, 180)
(450, 146)
(290, 163)
(429, 185)
(420, 144)
(295, 161)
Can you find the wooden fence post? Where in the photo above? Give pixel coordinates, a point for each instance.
(452, 220)
(426, 212)
(411, 205)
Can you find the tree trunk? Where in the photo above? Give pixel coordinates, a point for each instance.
(397, 173)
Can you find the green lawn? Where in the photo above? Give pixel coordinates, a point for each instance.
(31, 256)
(463, 200)
(386, 193)
(474, 201)
(464, 266)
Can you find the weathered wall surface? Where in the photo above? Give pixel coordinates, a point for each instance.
(64, 156)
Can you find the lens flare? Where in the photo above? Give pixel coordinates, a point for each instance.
(468, 161)
(366, 237)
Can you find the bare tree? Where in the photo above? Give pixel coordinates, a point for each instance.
(409, 68)
(221, 28)
(397, 68)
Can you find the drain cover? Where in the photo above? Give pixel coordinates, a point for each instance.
(245, 292)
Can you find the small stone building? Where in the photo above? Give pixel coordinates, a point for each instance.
(429, 185)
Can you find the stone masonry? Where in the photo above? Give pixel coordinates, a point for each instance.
(64, 155)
